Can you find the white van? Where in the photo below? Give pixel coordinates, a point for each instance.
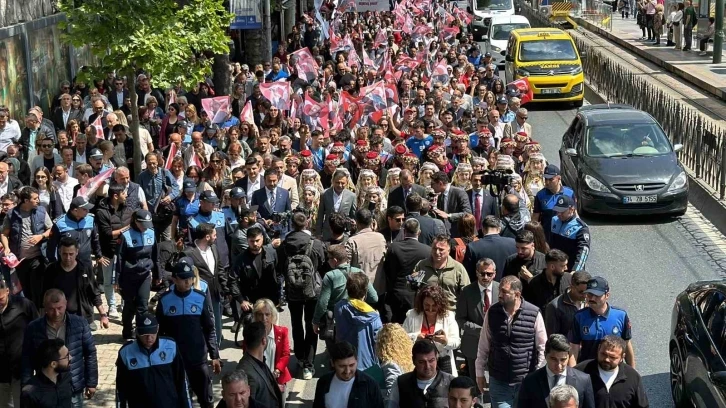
(498, 35)
(484, 10)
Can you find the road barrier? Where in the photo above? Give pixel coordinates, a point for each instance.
(704, 149)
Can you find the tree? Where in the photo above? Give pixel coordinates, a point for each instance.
(162, 37)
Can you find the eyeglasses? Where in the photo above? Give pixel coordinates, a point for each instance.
(485, 274)
(45, 146)
(523, 117)
(67, 357)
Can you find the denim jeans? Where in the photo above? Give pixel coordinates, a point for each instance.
(108, 284)
(502, 394)
(77, 400)
(10, 394)
(217, 309)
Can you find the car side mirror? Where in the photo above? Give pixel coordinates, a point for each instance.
(583, 57)
(508, 58)
(677, 147)
(468, 10)
(719, 378)
(571, 152)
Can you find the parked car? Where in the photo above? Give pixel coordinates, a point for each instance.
(620, 161)
(698, 346)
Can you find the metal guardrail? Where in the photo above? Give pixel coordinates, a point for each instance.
(703, 140)
(600, 14)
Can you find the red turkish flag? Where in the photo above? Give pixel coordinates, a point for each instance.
(278, 93)
(522, 86)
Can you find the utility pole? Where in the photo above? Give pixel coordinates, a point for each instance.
(718, 35)
(266, 31)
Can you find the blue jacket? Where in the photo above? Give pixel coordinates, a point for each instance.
(358, 324)
(82, 348)
(155, 186)
(82, 231)
(136, 257)
(573, 238)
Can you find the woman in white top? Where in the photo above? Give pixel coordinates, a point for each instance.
(431, 319)
(678, 27)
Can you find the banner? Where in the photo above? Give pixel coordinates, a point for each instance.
(278, 93)
(216, 108)
(523, 89)
(247, 15)
(372, 5)
(93, 184)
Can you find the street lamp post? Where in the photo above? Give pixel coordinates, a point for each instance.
(718, 35)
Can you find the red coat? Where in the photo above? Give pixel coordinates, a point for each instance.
(282, 353)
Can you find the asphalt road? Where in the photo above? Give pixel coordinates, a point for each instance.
(647, 260)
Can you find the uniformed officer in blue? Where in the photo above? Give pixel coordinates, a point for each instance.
(208, 215)
(187, 206)
(570, 234)
(545, 200)
(185, 314)
(80, 225)
(232, 212)
(150, 371)
(597, 320)
(135, 266)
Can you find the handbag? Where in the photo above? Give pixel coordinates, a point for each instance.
(326, 330)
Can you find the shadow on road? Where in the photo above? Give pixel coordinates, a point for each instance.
(596, 219)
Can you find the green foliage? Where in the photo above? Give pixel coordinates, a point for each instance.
(157, 35)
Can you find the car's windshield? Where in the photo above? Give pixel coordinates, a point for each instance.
(501, 31)
(640, 139)
(493, 4)
(547, 50)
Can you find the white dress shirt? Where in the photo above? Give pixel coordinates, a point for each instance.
(562, 379)
(270, 350)
(488, 294)
(65, 191)
(337, 200)
(4, 186)
(208, 257)
(252, 186)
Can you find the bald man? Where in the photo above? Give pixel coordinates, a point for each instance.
(8, 182)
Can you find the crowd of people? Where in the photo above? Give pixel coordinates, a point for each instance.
(422, 234)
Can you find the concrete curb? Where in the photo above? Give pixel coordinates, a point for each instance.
(700, 195)
(714, 90)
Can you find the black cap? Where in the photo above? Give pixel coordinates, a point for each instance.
(563, 203)
(184, 268)
(81, 202)
(144, 217)
(551, 171)
(189, 186)
(237, 192)
(146, 324)
(209, 196)
(95, 153)
(487, 54)
(597, 286)
(502, 99)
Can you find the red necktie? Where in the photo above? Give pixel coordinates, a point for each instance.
(477, 210)
(486, 301)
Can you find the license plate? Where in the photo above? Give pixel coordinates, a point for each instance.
(550, 90)
(640, 199)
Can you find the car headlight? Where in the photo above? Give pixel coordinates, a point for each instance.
(522, 72)
(576, 70)
(497, 49)
(595, 184)
(679, 182)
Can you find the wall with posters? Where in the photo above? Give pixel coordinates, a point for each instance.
(50, 62)
(14, 75)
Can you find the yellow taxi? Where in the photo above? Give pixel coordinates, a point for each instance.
(549, 59)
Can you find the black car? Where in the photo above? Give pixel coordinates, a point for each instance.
(698, 346)
(619, 161)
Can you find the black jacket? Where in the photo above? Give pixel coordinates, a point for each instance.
(365, 392)
(514, 264)
(73, 114)
(13, 322)
(535, 388)
(251, 281)
(217, 280)
(41, 392)
(395, 197)
(436, 396)
(108, 220)
(430, 227)
(627, 390)
(263, 386)
(295, 243)
(401, 257)
(88, 291)
(494, 247)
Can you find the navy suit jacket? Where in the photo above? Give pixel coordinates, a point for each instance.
(488, 205)
(535, 389)
(282, 202)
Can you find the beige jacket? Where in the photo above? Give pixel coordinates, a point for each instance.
(366, 251)
(289, 184)
(510, 132)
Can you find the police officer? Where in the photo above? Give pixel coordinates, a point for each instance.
(546, 198)
(237, 198)
(208, 201)
(149, 370)
(597, 320)
(135, 265)
(185, 314)
(187, 206)
(570, 234)
(80, 225)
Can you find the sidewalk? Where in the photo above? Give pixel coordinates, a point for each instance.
(695, 69)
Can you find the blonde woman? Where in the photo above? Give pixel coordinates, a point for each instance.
(277, 353)
(393, 180)
(122, 119)
(424, 175)
(310, 177)
(366, 178)
(393, 348)
(462, 176)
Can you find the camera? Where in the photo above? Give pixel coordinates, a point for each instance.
(281, 217)
(499, 178)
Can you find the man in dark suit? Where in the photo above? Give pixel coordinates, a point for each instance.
(272, 200)
(65, 113)
(451, 202)
(481, 201)
(203, 252)
(253, 180)
(263, 385)
(536, 385)
(430, 227)
(491, 245)
(398, 195)
(117, 97)
(401, 258)
(99, 110)
(336, 199)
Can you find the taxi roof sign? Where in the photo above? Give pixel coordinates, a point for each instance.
(543, 34)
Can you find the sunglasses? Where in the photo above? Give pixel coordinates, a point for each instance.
(523, 117)
(483, 274)
(215, 161)
(46, 146)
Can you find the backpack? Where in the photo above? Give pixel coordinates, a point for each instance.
(303, 281)
(460, 249)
